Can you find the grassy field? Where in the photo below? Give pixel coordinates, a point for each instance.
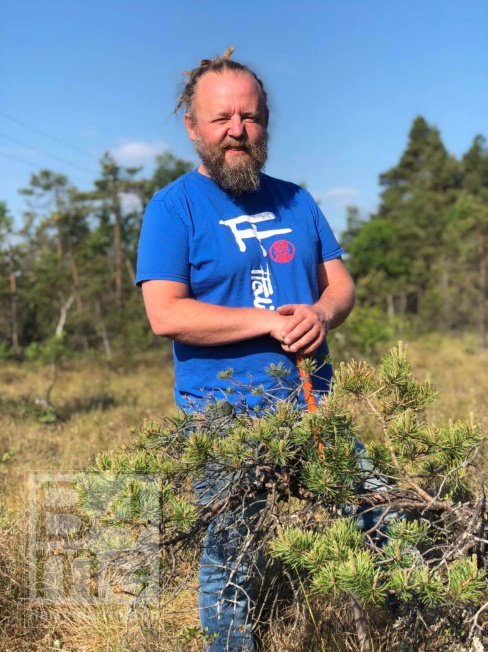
(96, 406)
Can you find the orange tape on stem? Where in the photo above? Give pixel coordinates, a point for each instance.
(310, 400)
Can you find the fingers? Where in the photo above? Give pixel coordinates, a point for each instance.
(311, 338)
(308, 350)
(287, 309)
(305, 329)
(296, 313)
(291, 325)
(304, 332)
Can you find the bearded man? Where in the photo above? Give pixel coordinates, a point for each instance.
(241, 270)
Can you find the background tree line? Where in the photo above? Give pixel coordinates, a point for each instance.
(68, 272)
(423, 255)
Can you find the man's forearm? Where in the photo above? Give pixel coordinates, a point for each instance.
(337, 302)
(309, 325)
(204, 324)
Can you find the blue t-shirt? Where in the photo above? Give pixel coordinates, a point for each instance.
(261, 249)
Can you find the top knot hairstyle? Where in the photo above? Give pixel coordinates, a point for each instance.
(219, 65)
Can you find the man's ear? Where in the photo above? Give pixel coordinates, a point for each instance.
(190, 127)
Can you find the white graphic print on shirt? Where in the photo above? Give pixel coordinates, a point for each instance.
(262, 288)
(252, 232)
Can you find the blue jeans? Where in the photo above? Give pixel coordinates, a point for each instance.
(226, 582)
(226, 585)
(367, 518)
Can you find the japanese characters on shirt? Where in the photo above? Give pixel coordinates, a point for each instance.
(281, 251)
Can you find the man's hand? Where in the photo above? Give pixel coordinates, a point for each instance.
(306, 327)
(279, 326)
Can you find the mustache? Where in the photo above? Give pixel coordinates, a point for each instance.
(236, 144)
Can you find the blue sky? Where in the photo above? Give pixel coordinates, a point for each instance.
(345, 79)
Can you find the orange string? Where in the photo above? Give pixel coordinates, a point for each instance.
(310, 400)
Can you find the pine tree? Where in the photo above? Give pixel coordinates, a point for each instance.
(466, 244)
(423, 559)
(112, 184)
(168, 168)
(475, 168)
(402, 258)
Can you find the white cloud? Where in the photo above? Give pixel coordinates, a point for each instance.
(337, 197)
(138, 153)
(340, 193)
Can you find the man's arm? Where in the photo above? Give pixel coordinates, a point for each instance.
(173, 314)
(309, 325)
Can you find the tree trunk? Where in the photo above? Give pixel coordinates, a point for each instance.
(481, 293)
(402, 309)
(420, 296)
(117, 250)
(74, 273)
(360, 622)
(446, 316)
(390, 306)
(102, 332)
(13, 309)
(130, 270)
(77, 285)
(65, 306)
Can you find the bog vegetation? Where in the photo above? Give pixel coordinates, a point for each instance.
(422, 557)
(105, 412)
(82, 376)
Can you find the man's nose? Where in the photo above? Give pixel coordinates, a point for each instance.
(236, 127)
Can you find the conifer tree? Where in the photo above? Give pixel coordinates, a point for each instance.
(112, 184)
(168, 168)
(475, 168)
(424, 556)
(416, 194)
(466, 242)
(402, 258)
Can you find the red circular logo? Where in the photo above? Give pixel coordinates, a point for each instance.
(282, 251)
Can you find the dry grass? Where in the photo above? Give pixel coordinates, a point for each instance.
(98, 405)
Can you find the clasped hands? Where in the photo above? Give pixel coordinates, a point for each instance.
(302, 329)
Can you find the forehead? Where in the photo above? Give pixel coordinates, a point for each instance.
(228, 90)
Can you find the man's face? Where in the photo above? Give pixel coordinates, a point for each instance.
(228, 127)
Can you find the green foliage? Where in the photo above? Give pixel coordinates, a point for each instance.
(336, 560)
(194, 633)
(419, 262)
(425, 556)
(413, 533)
(6, 351)
(50, 351)
(466, 581)
(422, 256)
(365, 330)
(76, 252)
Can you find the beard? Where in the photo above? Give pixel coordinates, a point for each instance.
(243, 173)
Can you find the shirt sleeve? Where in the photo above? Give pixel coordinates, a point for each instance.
(163, 253)
(328, 247)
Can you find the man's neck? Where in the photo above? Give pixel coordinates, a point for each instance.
(203, 171)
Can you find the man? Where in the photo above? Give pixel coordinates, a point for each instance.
(241, 270)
